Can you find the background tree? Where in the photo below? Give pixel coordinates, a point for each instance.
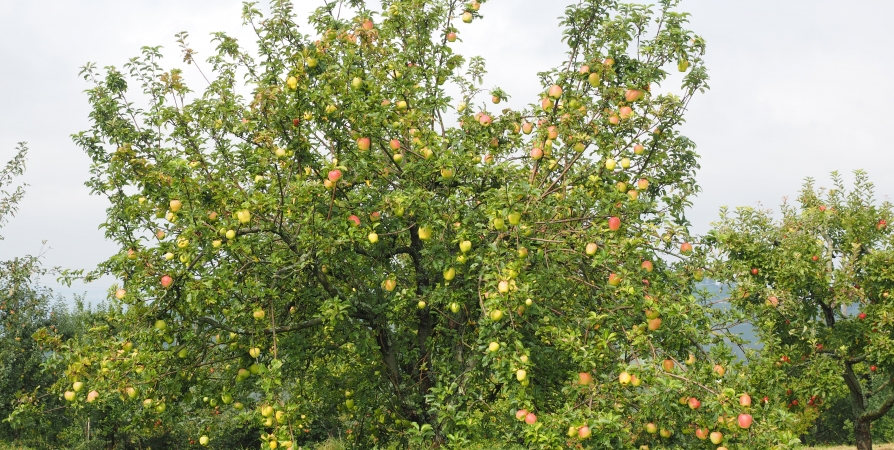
(321, 251)
(816, 284)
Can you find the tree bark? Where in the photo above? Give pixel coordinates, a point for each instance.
(862, 435)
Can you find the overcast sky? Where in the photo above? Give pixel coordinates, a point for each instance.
(798, 88)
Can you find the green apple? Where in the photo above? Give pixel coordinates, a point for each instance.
(493, 346)
(424, 233)
(514, 218)
(521, 374)
(465, 246)
(203, 440)
(230, 234)
(258, 314)
(496, 315)
(499, 223)
(244, 216)
(373, 238)
(454, 307)
(69, 396)
(449, 274)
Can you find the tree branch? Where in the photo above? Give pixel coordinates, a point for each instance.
(306, 324)
(881, 411)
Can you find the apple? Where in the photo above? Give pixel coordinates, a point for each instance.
(552, 133)
(363, 144)
(667, 365)
(166, 281)
(584, 378)
(635, 380)
(862, 316)
(614, 279)
(496, 315)
(546, 104)
(454, 307)
(333, 176)
(69, 396)
(451, 37)
(522, 252)
(514, 218)
(755, 271)
(614, 223)
(258, 314)
(822, 208)
(424, 233)
(77, 386)
(686, 248)
(175, 205)
(493, 346)
(92, 396)
(882, 224)
(520, 414)
(495, 99)
(242, 374)
(625, 112)
(529, 302)
(355, 221)
(530, 419)
(160, 325)
(654, 324)
(527, 127)
(447, 173)
(625, 163)
(624, 378)
(701, 433)
(255, 352)
(648, 266)
(127, 346)
(499, 223)
(120, 293)
(716, 437)
(267, 411)
(555, 91)
(449, 274)
(373, 237)
(719, 370)
(485, 120)
(744, 420)
(427, 153)
(591, 249)
(745, 400)
(584, 432)
(690, 360)
(521, 374)
(503, 286)
(467, 17)
(465, 246)
(536, 153)
(873, 368)
(610, 164)
(230, 234)
(773, 301)
(203, 440)
(652, 314)
(421, 304)
(216, 243)
(594, 79)
(694, 403)
(683, 65)
(394, 144)
(651, 428)
(390, 284)
(665, 433)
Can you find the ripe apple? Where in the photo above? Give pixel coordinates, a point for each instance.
(632, 194)
(69, 396)
(454, 307)
(166, 281)
(614, 223)
(527, 127)
(665, 433)
(175, 205)
(363, 144)
(773, 301)
(390, 284)
(755, 271)
(716, 437)
(467, 17)
(631, 95)
(861, 316)
(614, 279)
(882, 224)
(485, 120)
(873, 368)
(642, 184)
(694, 403)
(120, 293)
(591, 249)
(530, 419)
(625, 112)
(651, 428)
(496, 315)
(745, 400)
(92, 396)
(648, 266)
(546, 104)
(394, 144)
(493, 346)
(686, 248)
(258, 314)
(719, 370)
(667, 365)
(624, 378)
(465, 246)
(701, 433)
(373, 237)
(610, 164)
(635, 380)
(355, 221)
(555, 91)
(451, 37)
(552, 133)
(333, 176)
(584, 432)
(744, 420)
(521, 374)
(584, 378)
(449, 274)
(520, 414)
(654, 324)
(424, 233)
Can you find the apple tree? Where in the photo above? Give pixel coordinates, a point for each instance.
(816, 284)
(344, 233)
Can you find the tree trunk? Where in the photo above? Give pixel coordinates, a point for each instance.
(862, 435)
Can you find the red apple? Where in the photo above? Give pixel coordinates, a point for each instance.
(862, 316)
(536, 153)
(485, 120)
(614, 119)
(584, 432)
(701, 433)
(626, 112)
(451, 37)
(654, 324)
(873, 368)
(822, 208)
(334, 175)
(745, 400)
(614, 279)
(882, 224)
(394, 144)
(694, 403)
(584, 378)
(363, 144)
(648, 266)
(555, 91)
(530, 419)
(614, 223)
(745, 420)
(754, 271)
(166, 281)
(685, 248)
(552, 133)
(719, 370)
(520, 414)
(716, 437)
(667, 365)
(355, 221)
(296, 122)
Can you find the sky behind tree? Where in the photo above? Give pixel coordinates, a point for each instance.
(798, 89)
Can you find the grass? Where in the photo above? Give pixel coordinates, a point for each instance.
(845, 447)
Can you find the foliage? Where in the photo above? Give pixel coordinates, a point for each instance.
(816, 285)
(321, 252)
